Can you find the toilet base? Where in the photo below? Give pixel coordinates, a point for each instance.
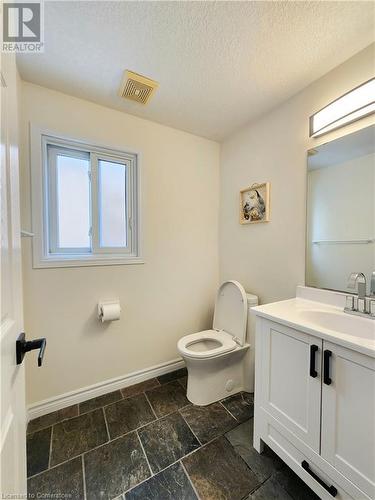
(213, 379)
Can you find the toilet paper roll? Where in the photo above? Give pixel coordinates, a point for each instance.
(109, 311)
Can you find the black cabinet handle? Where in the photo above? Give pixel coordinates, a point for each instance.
(326, 358)
(331, 489)
(313, 350)
(23, 346)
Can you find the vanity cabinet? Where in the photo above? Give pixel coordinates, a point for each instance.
(315, 406)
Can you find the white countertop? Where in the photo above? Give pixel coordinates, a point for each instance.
(323, 320)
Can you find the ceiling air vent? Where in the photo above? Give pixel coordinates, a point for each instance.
(137, 88)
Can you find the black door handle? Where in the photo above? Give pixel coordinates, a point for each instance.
(313, 350)
(331, 489)
(23, 346)
(326, 358)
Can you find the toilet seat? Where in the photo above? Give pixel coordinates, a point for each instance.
(225, 340)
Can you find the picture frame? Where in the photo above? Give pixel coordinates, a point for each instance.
(255, 203)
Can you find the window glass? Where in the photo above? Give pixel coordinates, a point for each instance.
(112, 204)
(73, 202)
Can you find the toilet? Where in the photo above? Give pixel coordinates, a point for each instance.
(220, 362)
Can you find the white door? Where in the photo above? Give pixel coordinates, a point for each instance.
(13, 415)
(291, 380)
(348, 415)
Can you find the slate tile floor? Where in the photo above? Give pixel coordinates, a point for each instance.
(147, 442)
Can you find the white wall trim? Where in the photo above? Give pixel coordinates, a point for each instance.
(78, 396)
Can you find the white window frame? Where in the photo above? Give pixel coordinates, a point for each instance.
(47, 254)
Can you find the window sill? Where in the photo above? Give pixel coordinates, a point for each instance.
(86, 260)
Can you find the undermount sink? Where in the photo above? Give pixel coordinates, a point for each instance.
(341, 323)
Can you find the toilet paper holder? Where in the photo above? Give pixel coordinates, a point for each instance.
(109, 310)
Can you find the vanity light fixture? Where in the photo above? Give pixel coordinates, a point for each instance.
(352, 106)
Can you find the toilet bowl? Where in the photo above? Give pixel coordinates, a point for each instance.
(220, 361)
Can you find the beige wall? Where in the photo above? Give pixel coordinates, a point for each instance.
(269, 259)
(172, 294)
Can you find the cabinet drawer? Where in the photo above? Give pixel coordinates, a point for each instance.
(312, 469)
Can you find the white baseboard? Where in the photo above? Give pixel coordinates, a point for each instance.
(92, 391)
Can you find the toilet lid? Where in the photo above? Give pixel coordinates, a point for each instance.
(231, 310)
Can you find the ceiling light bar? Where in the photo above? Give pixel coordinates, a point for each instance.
(352, 106)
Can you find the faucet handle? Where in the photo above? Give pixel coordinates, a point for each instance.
(353, 277)
(360, 279)
(351, 280)
(372, 285)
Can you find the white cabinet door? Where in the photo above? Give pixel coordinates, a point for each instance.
(291, 380)
(348, 415)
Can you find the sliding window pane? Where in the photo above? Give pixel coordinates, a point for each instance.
(112, 204)
(73, 202)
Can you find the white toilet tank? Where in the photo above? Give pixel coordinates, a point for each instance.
(252, 301)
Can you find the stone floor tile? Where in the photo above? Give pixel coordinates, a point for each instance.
(167, 398)
(133, 390)
(270, 490)
(170, 484)
(265, 464)
(128, 414)
(63, 481)
(52, 418)
(94, 403)
(167, 440)
(38, 447)
(115, 467)
(168, 377)
(77, 435)
(217, 472)
(208, 422)
(240, 405)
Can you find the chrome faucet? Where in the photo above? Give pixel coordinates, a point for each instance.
(361, 304)
(360, 280)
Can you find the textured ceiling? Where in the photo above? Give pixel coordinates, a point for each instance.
(219, 64)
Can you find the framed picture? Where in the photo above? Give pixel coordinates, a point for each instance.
(255, 204)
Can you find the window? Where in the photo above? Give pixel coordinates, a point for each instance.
(89, 202)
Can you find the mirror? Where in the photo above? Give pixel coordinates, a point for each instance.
(341, 210)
